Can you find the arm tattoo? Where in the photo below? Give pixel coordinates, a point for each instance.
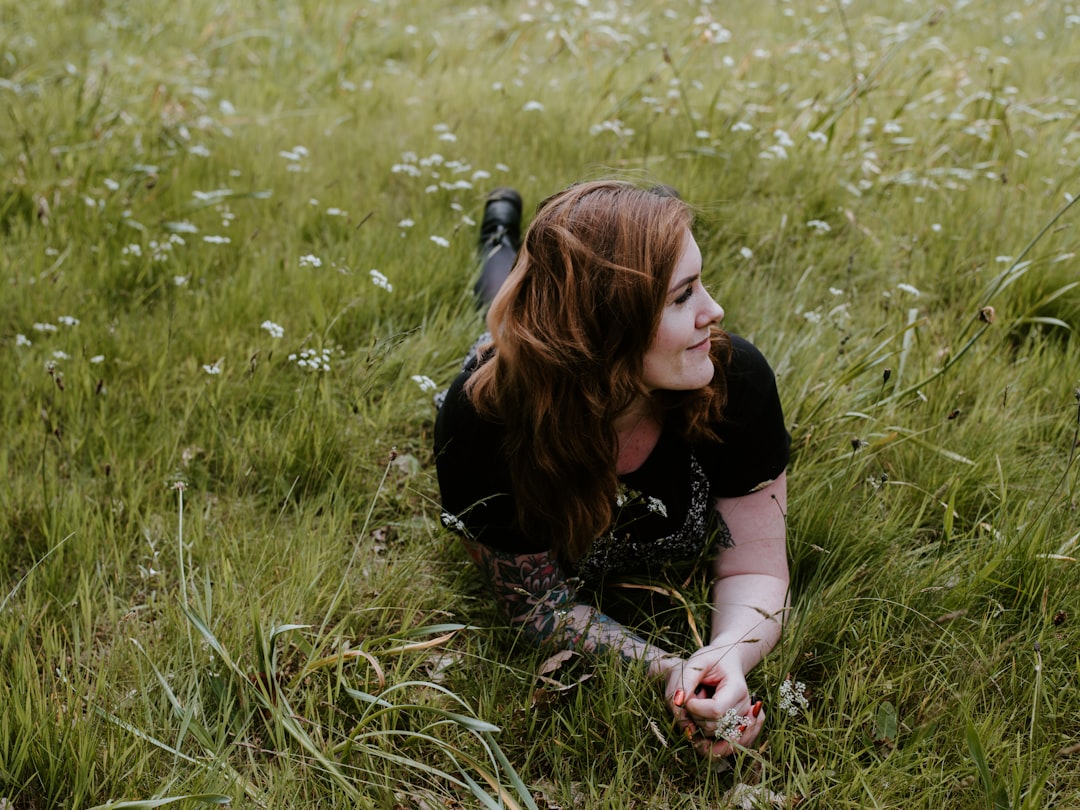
(534, 593)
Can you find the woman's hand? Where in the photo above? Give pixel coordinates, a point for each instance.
(711, 703)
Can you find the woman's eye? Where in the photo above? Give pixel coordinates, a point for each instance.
(685, 295)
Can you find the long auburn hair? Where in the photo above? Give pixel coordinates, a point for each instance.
(570, 329)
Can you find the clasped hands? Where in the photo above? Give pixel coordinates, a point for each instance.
(708, 696)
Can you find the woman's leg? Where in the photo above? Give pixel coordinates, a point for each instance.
(500, 238)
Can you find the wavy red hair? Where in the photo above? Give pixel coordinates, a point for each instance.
(571, 326)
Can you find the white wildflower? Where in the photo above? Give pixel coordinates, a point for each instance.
(782, 138)
(132, 250)
(214, 368)
(532, 106)
(425, 382)
(22, 340)
(211, 196)
(61, 355)
(746, 253)
(68, 320)
(275, 330)
(441, 241)
(336, 212)
(817, 137)
(742, 126)
(656, 505)
(295, 154)
(111, 184)
(44, 327)
(1003, 259)
(936, 227)
(452, 522)
(730, 726)
(793, 697)
(199, 150)
(97, 358)
(313, 360)
(182, 226)
(180, 281)
(908, 288)
(310, 260)
(380, 280)
(406, 223)
(819, 225)
(217, 240)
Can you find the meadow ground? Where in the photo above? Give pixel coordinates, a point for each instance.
(237, 242)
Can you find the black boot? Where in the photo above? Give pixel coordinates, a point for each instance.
(500, 238)
(502, 220)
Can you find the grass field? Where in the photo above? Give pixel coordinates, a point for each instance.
(236, 246)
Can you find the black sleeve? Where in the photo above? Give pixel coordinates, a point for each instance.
(755, 443)
(474, 482)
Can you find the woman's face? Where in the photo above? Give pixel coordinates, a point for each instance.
(678, 359)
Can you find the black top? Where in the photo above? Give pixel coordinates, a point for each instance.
(662, 510)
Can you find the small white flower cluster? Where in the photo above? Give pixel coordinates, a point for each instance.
(613, 125)
(214, 368)
(22, 340)
(656, 505)
(275, 330)
(379, 280)
(159, 251)
(730, 726)
(425, 382)
(310, 260)
(294, 156)
(217, 240)
(452, 522)
(313, 360)
(793, 697)
(68, 320)
(441, 241)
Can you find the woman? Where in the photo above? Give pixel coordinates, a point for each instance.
(608, 428)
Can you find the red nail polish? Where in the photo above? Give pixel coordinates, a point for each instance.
(757, 709)
(680, 698)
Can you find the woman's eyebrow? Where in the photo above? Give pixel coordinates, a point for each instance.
(688, 280)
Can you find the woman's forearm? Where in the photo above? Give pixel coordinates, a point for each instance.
(748, 615)
(750, 596)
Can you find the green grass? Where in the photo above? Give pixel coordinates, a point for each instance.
(870, 175)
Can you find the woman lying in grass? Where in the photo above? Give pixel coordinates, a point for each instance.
(610, 428)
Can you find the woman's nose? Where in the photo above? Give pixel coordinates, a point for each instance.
(711, 313)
